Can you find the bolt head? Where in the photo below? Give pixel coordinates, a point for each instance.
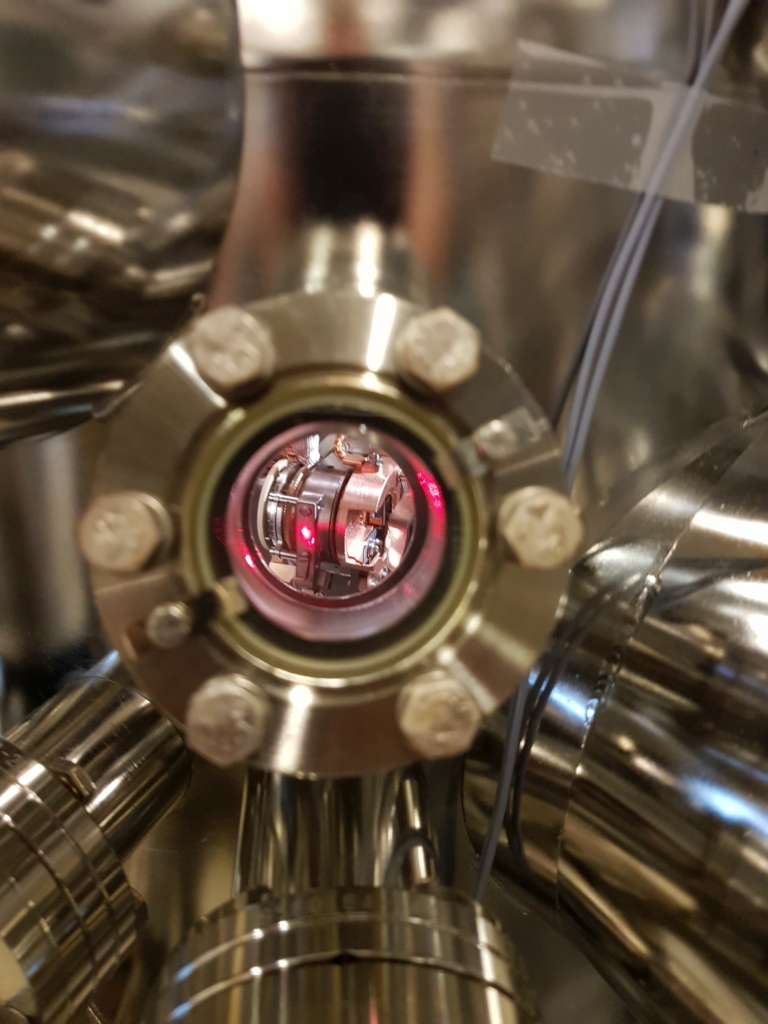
(120, 532)
(497, 440)
(169, 625)
(227, 719)
(231, 348)
(438, 715)
(542, 527)
(439, 348)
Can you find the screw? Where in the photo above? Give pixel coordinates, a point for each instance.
(437, 715)
(541, 526)
(120, 532)
(231, 347)
(74, 776)
(439, 348)
(497, 440)
(227, 719)
(169, 624)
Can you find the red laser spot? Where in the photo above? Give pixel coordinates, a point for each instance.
(309, 535)
(435, 500)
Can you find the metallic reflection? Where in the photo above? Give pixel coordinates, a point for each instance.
(119, 129)
(640, 808)
(298, 834)
(352, 956)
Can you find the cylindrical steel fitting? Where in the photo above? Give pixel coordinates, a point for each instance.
(302, 834)
(127, 758)
(349, 955)
(638, 808)
(81, 782)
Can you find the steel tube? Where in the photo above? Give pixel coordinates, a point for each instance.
(302, 834)
(642, 782)
(81, 782)
(130, 761)
(350, 956)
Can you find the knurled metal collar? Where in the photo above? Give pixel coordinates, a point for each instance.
(69, 914)
(332, 710)
(257, 934)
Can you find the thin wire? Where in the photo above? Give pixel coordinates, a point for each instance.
(535, 696)
(611, 335)
(709, 20)
(619, 283)
(506, 775)
(411, 839)
(685, 116)
(561, 399)
(697, 42)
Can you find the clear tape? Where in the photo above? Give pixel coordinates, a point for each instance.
(579, 118)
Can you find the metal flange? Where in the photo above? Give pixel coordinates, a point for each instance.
(336, 709)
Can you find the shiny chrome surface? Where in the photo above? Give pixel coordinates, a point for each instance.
(48, 624)
(333, 707)
(83, 781)
(119, 131)
(518, 253)
(129, 761)
(299, 834)
(639, 811)
(68, 914)
(347, 159)
(436, 31)
(397, 956)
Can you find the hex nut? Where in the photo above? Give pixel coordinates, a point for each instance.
(542, 527)
(438, 715)
(439, 348)
(497, 440)
(231, 348)
(227, 719)
(120, 532)
(169, 625)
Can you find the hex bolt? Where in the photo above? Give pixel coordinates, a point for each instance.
(231, 348)
(438, 716)
(169, 625)
(120, 532)
(497, 440)
(439, 348)
(542, 527)
(227, 719)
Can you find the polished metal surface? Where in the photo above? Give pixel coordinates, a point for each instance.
(396, 956)
(518, 253)
(367, 170)
(68, 913)
(83, 781)
(473, 31)
(298, 834)
(128, 759)
(334, 708)
(48, 624)
(639, 808)
(119, 134)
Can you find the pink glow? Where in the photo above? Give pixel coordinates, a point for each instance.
(435, 500)
(309, 535)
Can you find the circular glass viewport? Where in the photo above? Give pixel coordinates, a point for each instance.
(335, 530)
